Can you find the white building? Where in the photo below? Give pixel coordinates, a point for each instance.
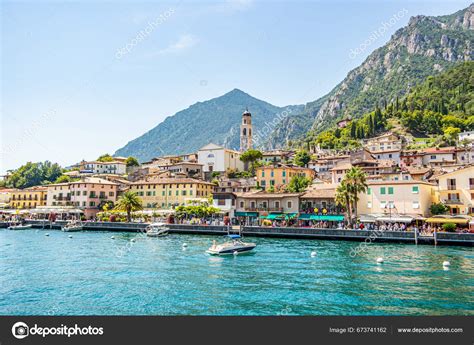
(218, 158)
(466, 135)
(95, 167)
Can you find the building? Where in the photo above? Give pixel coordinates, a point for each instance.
(465, 155)
(58, 195)
(469, 136)
(439, 156)
(216, 158)
(224, 194)
(456, 190)
(29, 197)
(344, 122)
(5, 196)
(409, 198)
(279, 175)
(170, 192)
(260, 204)
(186, 169)
(275, 156)
(385, 142)
(372, 167)
(411, 158)
(319, 198)
(91, 193)
(393, 154)
(95, 167)
(246, 132)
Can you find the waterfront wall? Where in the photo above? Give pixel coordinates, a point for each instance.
(466, 239)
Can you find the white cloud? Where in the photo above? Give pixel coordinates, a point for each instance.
(184, 42)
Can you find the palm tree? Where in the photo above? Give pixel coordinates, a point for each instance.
(356, 182)
(129, 202)
(343, 198)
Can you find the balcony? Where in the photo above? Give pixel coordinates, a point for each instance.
(102, 197)
(451, 187)
(264, 209)
(452, 202)
(93, 196)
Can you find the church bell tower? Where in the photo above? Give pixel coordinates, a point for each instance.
(246, 132)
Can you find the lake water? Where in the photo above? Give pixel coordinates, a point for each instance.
(92, 274)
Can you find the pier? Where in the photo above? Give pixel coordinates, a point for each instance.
(409, 237)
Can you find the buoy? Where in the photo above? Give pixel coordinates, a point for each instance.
(379, 260)
(132, 240)
(46, 234)
(313, 254)
(112, 237)
(185, 245)
(70, 236)
(446, 263)
(235, 252)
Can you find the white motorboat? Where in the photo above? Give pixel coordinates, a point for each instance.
(20, 227)
(74, 225)
(156, 230)
(232, 247)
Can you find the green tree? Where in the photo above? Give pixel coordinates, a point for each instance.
(298, 184)
(132, 162)
(438, 208)
(105, 158)
(129, 202)
(251, 156)
(343, 198)
(33, 174)
(302, 158)
(356, 182)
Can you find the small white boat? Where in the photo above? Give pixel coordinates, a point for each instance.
(233, 247)
(74, 225)
(20, 227)
(156, 230)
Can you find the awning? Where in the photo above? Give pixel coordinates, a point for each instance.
(395, 219)
(246, 214)
(367, 218)
(440, 220)
(326, 217)
(272, 216)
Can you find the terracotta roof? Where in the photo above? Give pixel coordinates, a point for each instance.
(264, 195)
(385, 151)
(168, 180)
(320, 194)
(451, 149)
(384, 182)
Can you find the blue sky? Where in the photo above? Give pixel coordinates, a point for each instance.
(76, 81)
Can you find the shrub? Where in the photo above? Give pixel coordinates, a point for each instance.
(449, 227)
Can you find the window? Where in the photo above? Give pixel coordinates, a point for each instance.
(451, 183)
(416, 205)
(415, 189)
(241, 204)
(263, 173)
(382, 190)
(272, 182)
(272, 173)
(84, 192)
(290, 204)
(283, 173)
(111, 193)
(210, 155)
(163, 193)
(221, 202)
(433, 157)
(369, 191)
(390, 190)
(369, 204)
(383, 204)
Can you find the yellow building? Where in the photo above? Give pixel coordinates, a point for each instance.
(169, 192)
(397, 197)
(456, 190)
(29, 197)
(278, 176)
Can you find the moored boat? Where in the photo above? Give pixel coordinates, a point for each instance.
(74, 225)
(156, 230)
(20, 227)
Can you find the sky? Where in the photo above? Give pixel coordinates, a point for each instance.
(82, 78)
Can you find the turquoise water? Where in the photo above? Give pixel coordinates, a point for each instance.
(92, 274)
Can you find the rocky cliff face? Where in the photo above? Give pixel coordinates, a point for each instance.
(426, 46)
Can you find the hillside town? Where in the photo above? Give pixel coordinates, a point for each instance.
(399, 188)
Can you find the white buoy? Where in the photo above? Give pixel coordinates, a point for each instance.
(446, 263)
(313, 254)
(185, 245)
(46, 234)
(132, 240)
(112, 237)
(70, 236)
(380, 260)
(235, 253)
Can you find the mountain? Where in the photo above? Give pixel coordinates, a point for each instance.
(426, 46)
(435, 111)
(217, 120)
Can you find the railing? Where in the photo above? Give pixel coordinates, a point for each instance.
(266, 209)
(452, 201)
(451, 187)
